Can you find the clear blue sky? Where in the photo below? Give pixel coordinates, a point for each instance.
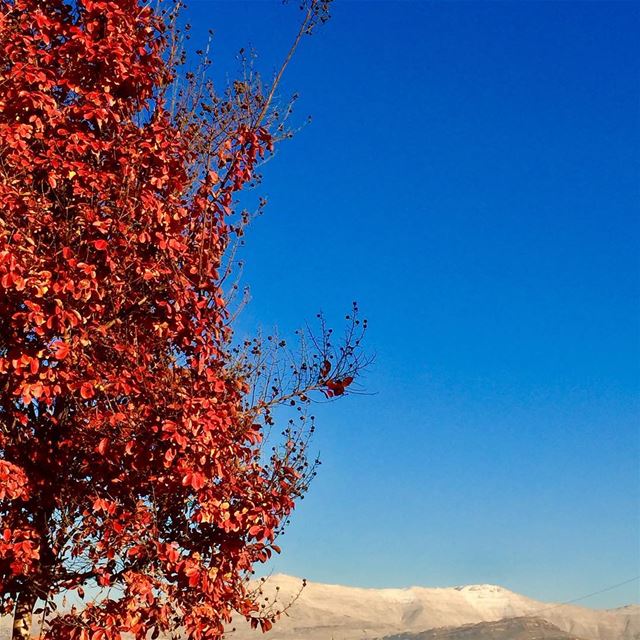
(471, 177)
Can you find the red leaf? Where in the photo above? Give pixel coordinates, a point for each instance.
(101, 245)
(337, 387)
(60, 350)
(325, 368)
(194, 479)
(36, 389)
(102, 446)
(265, 625)
(87, 391)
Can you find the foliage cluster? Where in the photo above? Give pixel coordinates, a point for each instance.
(132, 448)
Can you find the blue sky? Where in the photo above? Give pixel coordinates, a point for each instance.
(471, 177)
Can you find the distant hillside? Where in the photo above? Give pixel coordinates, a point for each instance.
(508, 629)
(334, 612)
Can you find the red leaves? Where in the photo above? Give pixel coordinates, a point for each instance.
(261, 532)
(332, 386)
(25, 363)
(104, 579)
(14, 484)
(116, 379)
(19, 550)
(28, 392)
(194, 479)
(137, 551)
(171, 553)
(264, 623)
(60, 349)
(337, 387)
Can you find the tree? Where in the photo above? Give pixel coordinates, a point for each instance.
(134, 459)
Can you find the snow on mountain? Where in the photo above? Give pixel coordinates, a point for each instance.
(334, 612)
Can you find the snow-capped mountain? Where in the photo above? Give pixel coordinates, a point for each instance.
(333, 612)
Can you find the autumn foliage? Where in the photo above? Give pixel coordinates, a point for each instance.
(132, 459)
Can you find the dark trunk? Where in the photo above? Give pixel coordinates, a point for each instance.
(24, 615)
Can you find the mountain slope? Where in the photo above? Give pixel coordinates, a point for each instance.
(506, 629)
(333, 612)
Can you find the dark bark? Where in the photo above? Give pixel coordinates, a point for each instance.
(23, 617)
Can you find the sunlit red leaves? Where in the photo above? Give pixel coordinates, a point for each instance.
(194, 479)
(19, 551)
(261, 532)
(29, 392)
(13, 482)
(25, 363)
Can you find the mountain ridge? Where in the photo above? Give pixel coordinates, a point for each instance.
(331, 611)
(524, 628)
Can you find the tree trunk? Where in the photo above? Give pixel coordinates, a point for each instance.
(24, 615)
